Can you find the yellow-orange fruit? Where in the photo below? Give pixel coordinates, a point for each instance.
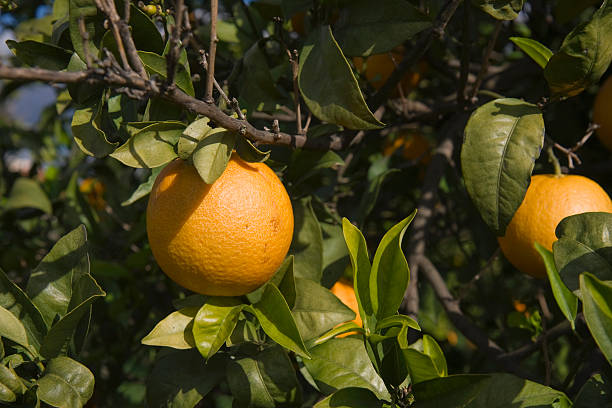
(602, 113)
(93, 190)
(297, 22)
(415, 146)
(221, 239)
(548, 200)
(343, 289)
(379, 67)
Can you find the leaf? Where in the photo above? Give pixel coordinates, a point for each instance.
(306, 163)
(212, 154)
(424, 358)
(565, 10)
(93, 25)
(192, 135)
(11, 328)
(487, 391)
(584, 245)
(174, 331)
(370, 196)
(317, 310)
(144, 188)
(536, 50)
(351, 397)
(584, 56)
(366, 28)
(277, 321)
(342, 363)
(336, 331)
(283, 279)
(500, 9)
(266, 380)
(50, 284)
(567, 301)
(597, 308)
(335, 254)
(390, 274)
(156, 65)
(214, 323)
(150, 147)
(594, 393)
(87, 133)
(38, 54)
(65, 383)
(328, 85)
(84, 94)
(10, 381)
(503, 138)
(85, 290)
(27, 193)
(397, 321)
(358, 252)
(307, 243)
(248, 152)
(144, 31)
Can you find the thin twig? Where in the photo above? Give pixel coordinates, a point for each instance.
(293, 59)
(233, 103)
(484, 66)
(85, 37)
(465, 53)
(214, 8)
(571, 152)
(174, 55)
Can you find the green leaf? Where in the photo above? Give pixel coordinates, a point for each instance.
(182, 378)
(335, 254)
(266, 380)
(307, 242)
(84, 94)
(596, 392)
(328, 85)
(536, 50)
(144, 31)
(144, 188)
(283, 279)
(88, 134)
(317, 310)
(584, 56)
(65, 383)
(500, 9)
(10, 381)
(37, 54)
(342, 363)
(502, 140)
(212, 154)
(487, 391)
(306, 163)
(584, 245)
(50, 284)
(424, 358)
(277, 321)
(351, 397)
(597, 307)
(11, 328)
(397, 321)
(566, 10)
(336, 331)
(358, 252)
(93, 25)
(27, 193)
(156, 65)
(150, 147)
(567, 301)
(174, 331)
(370, 196)
(192, 135)
(214, 323)
(366, 27)
(390, 274)
(19, 304)
(85, 290)
(248, 152)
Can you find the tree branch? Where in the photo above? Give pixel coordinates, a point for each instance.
(484, 66)
(214, 9)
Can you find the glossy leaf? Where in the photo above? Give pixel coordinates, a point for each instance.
(9, 380)
(192, 135)
(65, 383)
(390, 274)
(27, 193)
(342, 363)
(500, 9)
(424, 358)
(566, 300)
(144, 31)
(82, 93)
(150, 147)
(503, 138)
(182, 378)
(307, 243)
(11, 328)
(156, 65)
(305, 164)
(93, 24)
(328, 85)
(174, 331)
(256, 86)
(336, 331)
(397, 321)
(38, 54)
(144, 188)
(266, 380)
(248, 152)
(277, 321)
(351, 397)
(584, 56)
(366, 27)
(335, 253)
(87, 133)
(597, 308)
(212, 154)
(214, 323)
(584, 245)
(283, 279)
(536, 50)
(596, 392)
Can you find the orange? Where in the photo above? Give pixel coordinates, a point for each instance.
(415, 146)
(548, 200)
(379, 67)
(297, 22)
(343, 289)
(221, 239)
(602, 113)
(93, 190)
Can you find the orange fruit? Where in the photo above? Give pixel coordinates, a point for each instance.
(221, 239)
(297, 22)
(548, 200)
(602, 113)
(519, 306)
(379, 67)
(343, 289)
(415, 146)
(93, 190)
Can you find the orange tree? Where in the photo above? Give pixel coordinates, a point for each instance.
(107, 101)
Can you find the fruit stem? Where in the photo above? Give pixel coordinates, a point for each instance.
(553, 159)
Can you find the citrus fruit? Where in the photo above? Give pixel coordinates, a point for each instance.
(220, 239)
(548, 200)
(93, 190)
(415, 146)
(602, 113)
(297, 22)
(379, 67)
(343, 289)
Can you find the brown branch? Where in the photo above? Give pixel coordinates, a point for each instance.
(214, 6)
(465, 53)
(571, 152)
(85, 37)
(293, 59)
(173, 56)
(484, 66)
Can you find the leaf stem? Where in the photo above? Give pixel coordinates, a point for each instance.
(553, 159)
(214, 9)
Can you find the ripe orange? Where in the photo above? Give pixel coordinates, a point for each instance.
(343, 289)
(415, 146)
(549, 199)
(297, 22)
(379, 67)
(602, 113)
(93, 190)
(221, 239)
